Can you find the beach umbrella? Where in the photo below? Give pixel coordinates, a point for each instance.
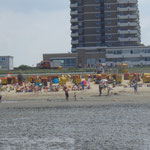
(103, 80)
(103, 64)
(84, 82)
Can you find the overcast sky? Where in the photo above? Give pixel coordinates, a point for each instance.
(29, 28)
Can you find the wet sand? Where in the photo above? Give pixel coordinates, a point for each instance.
(86, 97)
(80, 125)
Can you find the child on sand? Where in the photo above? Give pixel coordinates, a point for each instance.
(75, 96)
(108, 91)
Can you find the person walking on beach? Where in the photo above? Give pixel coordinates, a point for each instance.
(0, 90)
(100, 89)
(0, 97)
(135, 86)
(67, 94)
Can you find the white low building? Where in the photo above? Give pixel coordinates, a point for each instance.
(136, 55)
(6, 63)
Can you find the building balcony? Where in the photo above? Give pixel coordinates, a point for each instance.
(128, 55)
(133, 24)
(127, 16)
(74, 20)
(73, 5)
(128, 24)
(133, 16)
(126, 1)
(129, 39)
(74, 27)
(74, 42)
(74, 12)
(74, 34)
(127, 9)
(128, 32)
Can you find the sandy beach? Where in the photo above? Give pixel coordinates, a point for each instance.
(87, 96)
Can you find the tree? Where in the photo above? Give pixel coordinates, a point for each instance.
(24, 67)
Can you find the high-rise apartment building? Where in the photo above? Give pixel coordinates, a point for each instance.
(112, 23)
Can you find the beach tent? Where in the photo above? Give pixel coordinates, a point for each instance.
(56, 80)
(62, 81)
(123, 68)
(77, 79)
(87, 76)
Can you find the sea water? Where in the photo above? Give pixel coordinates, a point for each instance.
(94, 127)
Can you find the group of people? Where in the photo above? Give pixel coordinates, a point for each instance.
(66, 90)
(104, 86)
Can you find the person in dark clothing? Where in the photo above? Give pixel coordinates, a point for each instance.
(135, 86)
(67, 94)
(100, 89)
(0, 97)
(75, 96)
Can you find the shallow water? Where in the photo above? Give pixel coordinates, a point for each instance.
(97, 127)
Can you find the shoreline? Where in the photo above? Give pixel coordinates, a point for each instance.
(49, 101)
(120, 94)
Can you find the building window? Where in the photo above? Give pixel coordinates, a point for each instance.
(91, 61)
(109, 21)
(122, 21)
(66, 62)
(121, 35)
(109, 14)
(121, 28)
(108, 6)
(103, 37)
(97, 22)
(97, 37)
(80, 45)
(97, 8)
(109, 44)
(80, 38)
(79, 9)
(80, 30)
(79, 16)
(97, 14)
(121, 13)
(147, 59)
(109, 36)
(122, 44)
(121, 6)
(109, 29)
(97, 30)
(3, 59)
(79, 1)
(80, 24)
